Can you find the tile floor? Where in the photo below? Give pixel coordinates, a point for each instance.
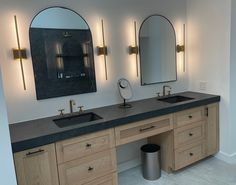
(207, 172)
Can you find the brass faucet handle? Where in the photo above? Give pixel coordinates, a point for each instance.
(169, 92)
(61, 111)
(81, 108)
(158, 94)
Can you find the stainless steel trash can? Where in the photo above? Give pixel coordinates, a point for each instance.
(150, 156)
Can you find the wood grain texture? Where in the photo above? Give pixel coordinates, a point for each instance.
(186, 117)
(37, 166)
(83, 170)
(143, 129)
(110, 179)
(82, 146)
(212, 141)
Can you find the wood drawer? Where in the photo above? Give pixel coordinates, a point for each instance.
(81, 171)
(82, 146)
(189, 133)
(143, 129)
(189, 154)
(189, 116)
(110, 179)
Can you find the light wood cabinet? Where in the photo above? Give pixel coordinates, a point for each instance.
(212, 139)
(37, 166)
(185, 137)
(143, 129)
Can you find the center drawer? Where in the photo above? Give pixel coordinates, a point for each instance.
(143, 129)
(81, 171)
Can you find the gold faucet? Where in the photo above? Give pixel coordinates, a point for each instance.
(164, 89)
(72, 104)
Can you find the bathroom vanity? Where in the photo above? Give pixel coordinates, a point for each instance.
(85, 154)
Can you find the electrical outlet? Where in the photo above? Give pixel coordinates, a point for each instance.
(203, 86)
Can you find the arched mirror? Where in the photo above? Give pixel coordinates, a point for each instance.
(157, 44)
(62, 53)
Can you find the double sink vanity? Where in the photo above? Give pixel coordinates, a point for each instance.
(80, 149)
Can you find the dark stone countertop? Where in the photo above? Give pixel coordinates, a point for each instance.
(34, 133)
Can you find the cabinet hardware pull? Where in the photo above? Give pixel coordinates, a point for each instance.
(190, 117)
(36, 152)
(90, 168)
(88, 145)
(190, 134)
(148, 128)
(191, 154)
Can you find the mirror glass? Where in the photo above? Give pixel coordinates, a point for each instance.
(157, 44)
(62, 53)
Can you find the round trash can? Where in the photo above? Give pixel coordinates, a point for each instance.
(150, 156)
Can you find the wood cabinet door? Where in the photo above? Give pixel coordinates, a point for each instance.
(37, 166)
(212, 141)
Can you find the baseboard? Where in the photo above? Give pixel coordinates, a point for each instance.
(228, 158)
(129, 164)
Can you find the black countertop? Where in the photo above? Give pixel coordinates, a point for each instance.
(29, 134)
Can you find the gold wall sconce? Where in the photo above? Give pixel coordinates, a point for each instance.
(181, 48)
(19, 54)
(134, 49)
(102, 50)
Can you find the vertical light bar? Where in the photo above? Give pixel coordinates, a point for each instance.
(104, 45)
(136, 44)
(20, 53)
(184, 57)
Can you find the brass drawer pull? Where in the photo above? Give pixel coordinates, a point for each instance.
(90, 169)
(190, 134)
(145, 129)
(191, 154)
(88, 145)
(190, 117)
(36, 152)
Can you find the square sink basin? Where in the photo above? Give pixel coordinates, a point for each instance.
(76, 119)
(175, 99)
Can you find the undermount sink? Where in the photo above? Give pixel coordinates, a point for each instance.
(175, 99)
(76, 119)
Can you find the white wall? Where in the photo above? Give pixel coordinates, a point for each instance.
(7, 173)
(118, 21)
(208, 35)
(232, 81)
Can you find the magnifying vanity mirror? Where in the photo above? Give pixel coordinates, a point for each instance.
(157, 44)
(62, 53)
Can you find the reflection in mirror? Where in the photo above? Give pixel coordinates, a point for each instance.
(157, 43)
(62, 53)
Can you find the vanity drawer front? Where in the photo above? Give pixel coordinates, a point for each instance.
(87, 169)
(189, 154)
(189, 116)
(82, 146)
(189, 133)
(143, 129)
(110, 179)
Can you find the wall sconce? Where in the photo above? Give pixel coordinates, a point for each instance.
(102, 50)
(134, 49)
(19, 54)
(181, 48)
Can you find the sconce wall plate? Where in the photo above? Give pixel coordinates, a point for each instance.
(133, 50)
(102, 50)
(180, 48)
(19, 53)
